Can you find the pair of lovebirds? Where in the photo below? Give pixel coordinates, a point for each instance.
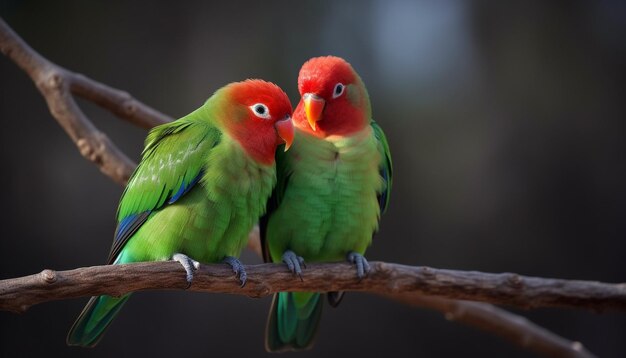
(205, 179)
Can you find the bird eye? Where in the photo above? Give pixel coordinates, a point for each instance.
(260, 110)
(338, 91)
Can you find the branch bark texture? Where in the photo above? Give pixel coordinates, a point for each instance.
(385, 278)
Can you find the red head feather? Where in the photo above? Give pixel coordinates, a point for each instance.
(261, 113)
(336, 95)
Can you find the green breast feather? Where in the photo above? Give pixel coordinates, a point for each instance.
(329, 195)
(327, 203)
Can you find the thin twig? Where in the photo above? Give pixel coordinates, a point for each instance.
(18, 294)
(58, 85)
(499, 322)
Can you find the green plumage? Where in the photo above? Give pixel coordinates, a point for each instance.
(195, 192)
(332, 186)
(329, 198)
(330, 204)
(292, 322)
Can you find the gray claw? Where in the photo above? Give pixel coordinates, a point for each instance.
(362, 266)
(189, 265)
(294, 262)
(238, 268)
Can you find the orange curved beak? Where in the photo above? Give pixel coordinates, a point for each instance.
(285, 131)
(313, 107)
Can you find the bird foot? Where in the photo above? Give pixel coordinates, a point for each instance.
(189, 265)
(362, 266)
(238, 268)
(294, 262)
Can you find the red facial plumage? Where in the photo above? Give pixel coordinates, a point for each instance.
(341, 115)
(259, 136)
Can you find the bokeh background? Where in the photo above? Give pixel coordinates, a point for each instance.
(506, 122)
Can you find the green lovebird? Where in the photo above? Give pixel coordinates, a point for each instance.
(332, 187)
(202, 183)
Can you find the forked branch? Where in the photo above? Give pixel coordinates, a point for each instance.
(58, 86)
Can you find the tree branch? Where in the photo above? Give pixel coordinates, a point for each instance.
(58, 86)
(499, 322)
(406, 284)
(385, 278)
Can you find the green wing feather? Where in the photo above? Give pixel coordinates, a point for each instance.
(172, 161)
(386, 166)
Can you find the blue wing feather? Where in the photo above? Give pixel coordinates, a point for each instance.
(130, 224)
(162, 178)
(125, 229)
(184, 188)
(124, 225)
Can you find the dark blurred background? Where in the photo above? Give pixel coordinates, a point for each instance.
(506, 125)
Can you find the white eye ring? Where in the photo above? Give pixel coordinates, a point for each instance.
(339, 89)
(260, 110)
